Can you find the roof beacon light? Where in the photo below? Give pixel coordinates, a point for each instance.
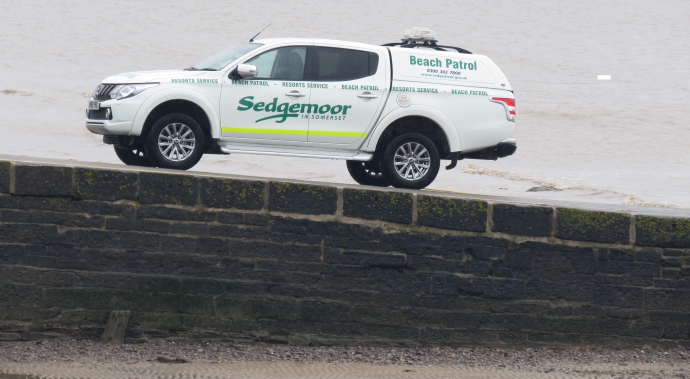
(419, 34)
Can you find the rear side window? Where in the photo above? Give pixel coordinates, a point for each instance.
(333, 64)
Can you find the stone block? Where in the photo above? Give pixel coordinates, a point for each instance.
(672, 262)
(302, 198)
(615, 327)
(133, 242)
(346, 329)
(629, 269)
(456, 337)
(571, 290)
(108, 185)
(378, 205)
(121, 210)
(68, 298)
(212, 246)
(33, 180)
(479, 268)
(4, 177)
(583, 225)
(10, 336)
(168, 189)
(175, 244)
(232, 193)
(667, 300)
(298, 340)
(377, 316)
(448, 213)
(11, 254)
(55, 218)
(28, 233)
(234, 231)
(37, 203)
(295, 253)
(364, 258)
(124, 224)
(176, 303)
(246, 309)
(196, 229)
(662, 231)
(616, 296)
(558, 260)
(522, 220)
(485, 287)
(671, 283)
(174, 214)
(554, 339)
(321, 311)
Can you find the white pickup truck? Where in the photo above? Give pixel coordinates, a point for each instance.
(392, 111)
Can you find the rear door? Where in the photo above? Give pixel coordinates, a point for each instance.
(348, 86)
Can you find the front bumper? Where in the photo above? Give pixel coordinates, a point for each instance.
(120, 119)
(119, 128)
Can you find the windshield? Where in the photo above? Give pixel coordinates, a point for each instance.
(226, 57)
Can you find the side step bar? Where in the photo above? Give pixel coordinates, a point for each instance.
(358, 156)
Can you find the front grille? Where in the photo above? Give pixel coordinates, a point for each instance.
(102, 92)
(98, 114)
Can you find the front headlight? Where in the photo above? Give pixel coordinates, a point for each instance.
(128, 90)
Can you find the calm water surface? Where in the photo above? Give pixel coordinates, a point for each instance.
(624, 141)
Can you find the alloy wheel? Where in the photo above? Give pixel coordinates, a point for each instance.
(176, 142)
(412, 161)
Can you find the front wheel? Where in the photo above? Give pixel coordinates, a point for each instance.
(176, 141)
(411, 161)
(368, 173)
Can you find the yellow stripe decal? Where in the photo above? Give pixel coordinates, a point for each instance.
(294, 132)
(335, 134)
(264, 131)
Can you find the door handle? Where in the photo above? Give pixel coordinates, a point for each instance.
(295, 93)
(367, 95)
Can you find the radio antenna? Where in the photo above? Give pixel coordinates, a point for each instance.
(252, 39)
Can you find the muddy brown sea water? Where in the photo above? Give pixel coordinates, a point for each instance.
(86, 359)
(620, 141)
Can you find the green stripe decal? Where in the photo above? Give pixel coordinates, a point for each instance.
(319, 133)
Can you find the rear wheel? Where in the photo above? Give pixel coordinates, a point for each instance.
(176, 141)
(367, 173)
(411, 161)
(133, 157)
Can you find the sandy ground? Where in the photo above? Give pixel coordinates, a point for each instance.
(86, 359)
(284, 370)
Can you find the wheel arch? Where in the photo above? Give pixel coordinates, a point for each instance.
(418, 119)
(177, 100)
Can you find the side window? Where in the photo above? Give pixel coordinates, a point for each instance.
(333, 64)
(285, 63)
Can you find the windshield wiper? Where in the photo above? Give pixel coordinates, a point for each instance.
(200, 69)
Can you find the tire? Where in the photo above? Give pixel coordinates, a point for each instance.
(176, 141)
(411, 160)
(368, 173)
(133, 157)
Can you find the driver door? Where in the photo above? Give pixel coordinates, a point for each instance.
(266, 108)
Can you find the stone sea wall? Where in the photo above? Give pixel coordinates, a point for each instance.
(198, 257)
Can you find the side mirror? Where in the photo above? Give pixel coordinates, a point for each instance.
(247, 71)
